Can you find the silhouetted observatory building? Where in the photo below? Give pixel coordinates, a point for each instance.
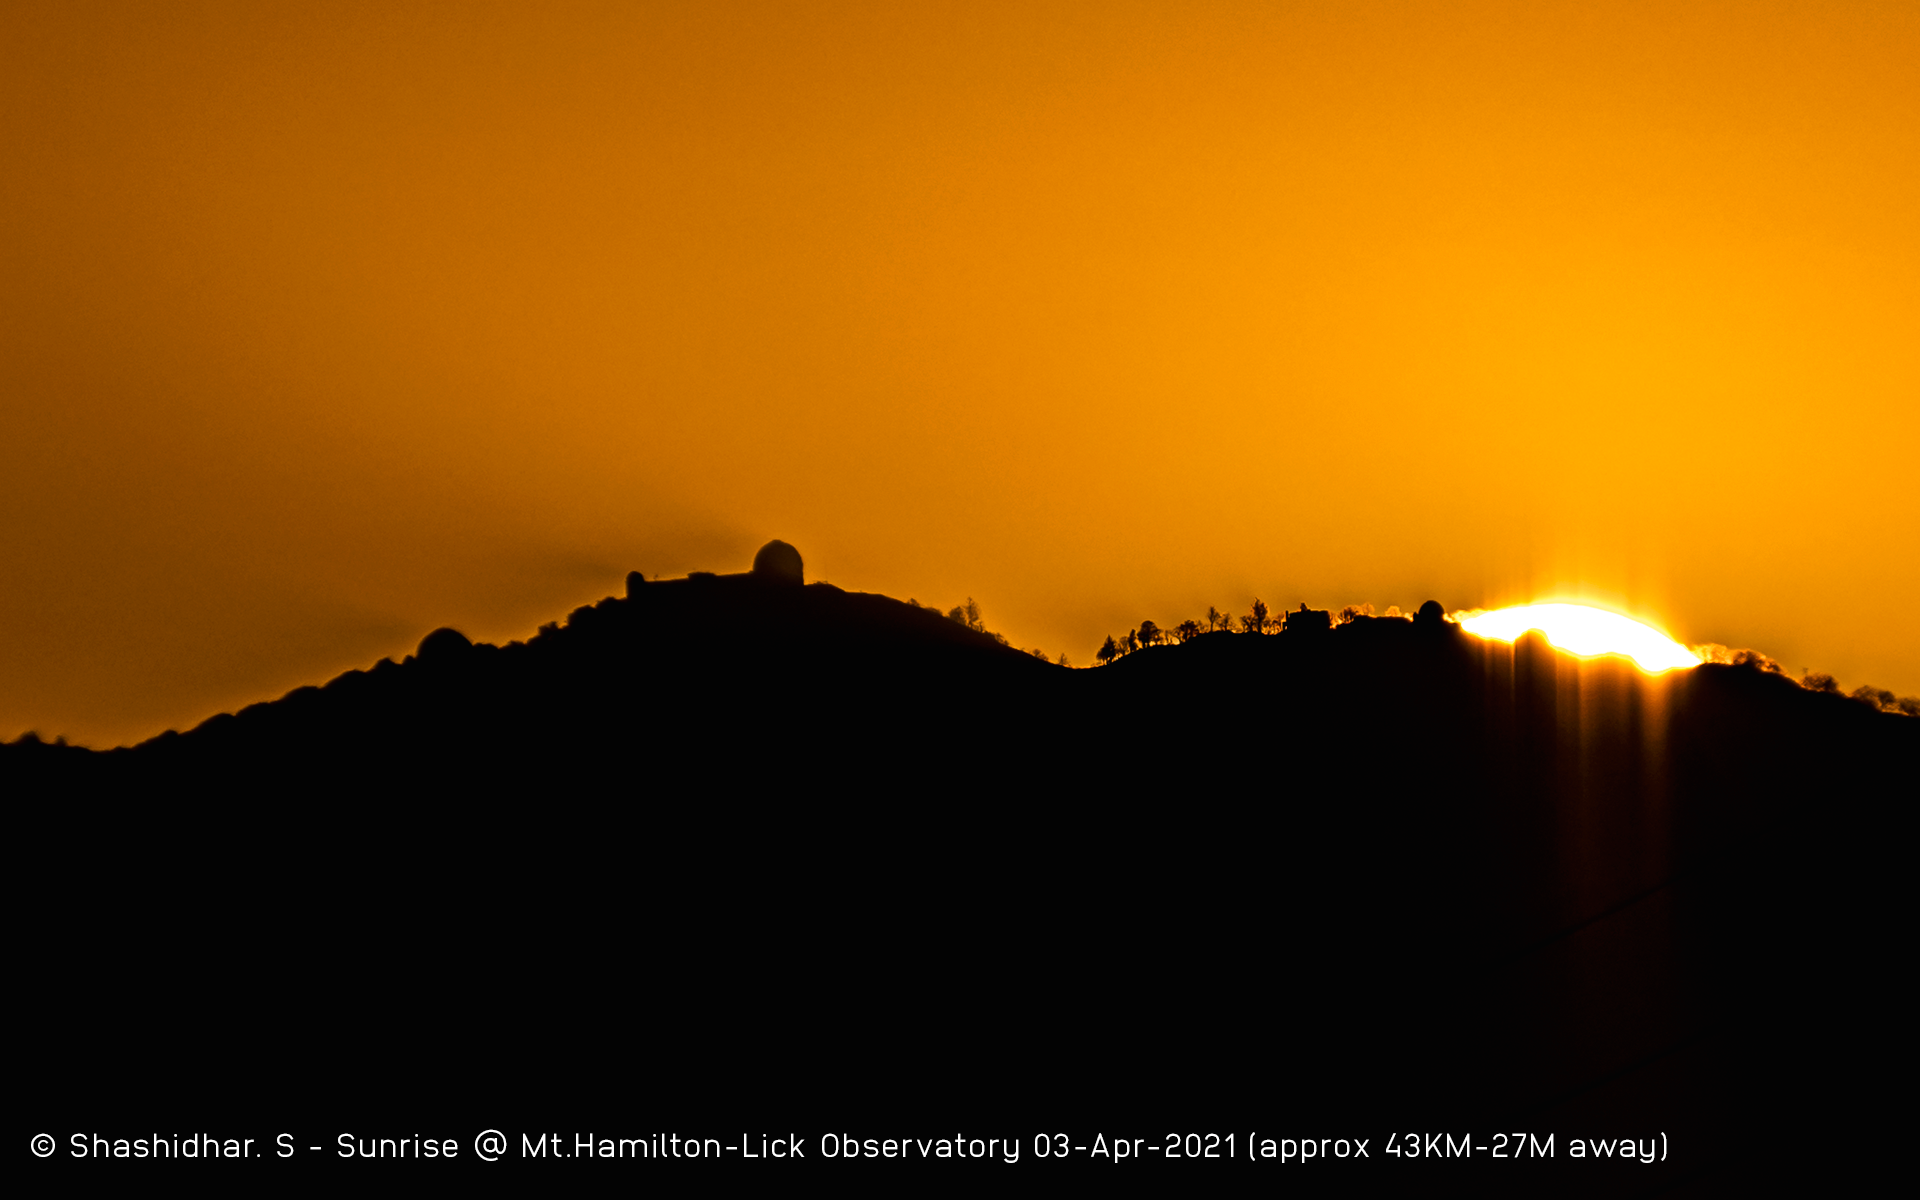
(777, 565)
(1309, 620)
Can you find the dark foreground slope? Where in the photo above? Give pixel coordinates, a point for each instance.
(729, 851)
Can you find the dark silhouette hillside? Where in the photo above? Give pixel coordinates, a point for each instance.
(746, 844)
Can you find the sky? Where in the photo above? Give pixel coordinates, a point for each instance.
(326, 325)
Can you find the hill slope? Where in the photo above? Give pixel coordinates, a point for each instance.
(1385, 871)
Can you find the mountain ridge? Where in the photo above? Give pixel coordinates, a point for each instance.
(1421, 872)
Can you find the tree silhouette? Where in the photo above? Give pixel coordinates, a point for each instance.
(1131, 642)
(1257, 620)
(1820, 681)
(1149, 634)
(1216, 618)
(1107, 651)
(968, 614)
(1187, 630)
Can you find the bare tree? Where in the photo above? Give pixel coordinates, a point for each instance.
(1216, 618)
(967, 614)
(1257, 620)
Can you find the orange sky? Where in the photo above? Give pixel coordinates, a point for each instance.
(324, 325)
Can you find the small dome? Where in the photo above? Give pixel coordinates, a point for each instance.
(778, 562)
(443, 645)
(1431, 615)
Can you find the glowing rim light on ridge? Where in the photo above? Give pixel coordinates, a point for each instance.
(1585, 631)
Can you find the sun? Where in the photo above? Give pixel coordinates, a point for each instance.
(1586, 631)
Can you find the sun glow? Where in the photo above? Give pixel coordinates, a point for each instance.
(1585, 631)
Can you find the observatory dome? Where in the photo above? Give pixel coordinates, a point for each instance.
(778, 562)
